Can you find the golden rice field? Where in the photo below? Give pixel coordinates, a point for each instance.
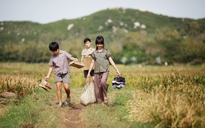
(165, 96)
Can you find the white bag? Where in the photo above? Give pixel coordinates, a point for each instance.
(88, 94)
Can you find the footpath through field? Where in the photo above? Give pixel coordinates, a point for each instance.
(72, 117)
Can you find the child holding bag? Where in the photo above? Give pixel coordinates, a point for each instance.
(86, 58)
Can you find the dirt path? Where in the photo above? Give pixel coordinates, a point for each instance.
(72, 117)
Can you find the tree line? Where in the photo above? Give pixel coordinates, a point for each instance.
(164, 45)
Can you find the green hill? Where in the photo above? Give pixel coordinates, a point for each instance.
(132, 36)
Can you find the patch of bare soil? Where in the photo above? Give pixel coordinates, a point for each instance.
(72, 118)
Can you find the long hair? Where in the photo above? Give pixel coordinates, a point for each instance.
(99, 40)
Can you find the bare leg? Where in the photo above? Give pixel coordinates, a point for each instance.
(59, 92)
(67, 90)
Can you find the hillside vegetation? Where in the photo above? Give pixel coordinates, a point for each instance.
(132, 36)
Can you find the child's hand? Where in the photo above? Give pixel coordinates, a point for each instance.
(88, 79)
(46, 78)
(88, 76)
(75, 59)
(118, 73)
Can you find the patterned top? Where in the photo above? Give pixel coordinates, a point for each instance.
(60, 62)
(87, 58)
(101, 60)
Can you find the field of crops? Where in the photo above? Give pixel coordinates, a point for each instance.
(154, 96)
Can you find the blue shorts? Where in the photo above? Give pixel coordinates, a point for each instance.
(65, 78)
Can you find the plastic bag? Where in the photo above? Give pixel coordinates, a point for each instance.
(88, 94)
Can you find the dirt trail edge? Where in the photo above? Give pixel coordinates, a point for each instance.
(72, 118)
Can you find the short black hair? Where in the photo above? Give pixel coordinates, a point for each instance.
(53, 46)
(87, 39)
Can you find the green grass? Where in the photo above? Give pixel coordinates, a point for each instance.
(23, 115)
(113, 115)
(36, 110)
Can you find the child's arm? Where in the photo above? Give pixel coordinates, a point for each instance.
(82, 59)
(88, 76)
(73, 59)
(113, 64)
(91, 67)
(49, 73)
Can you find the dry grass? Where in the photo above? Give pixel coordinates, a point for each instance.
(19, 84)
(176, 100)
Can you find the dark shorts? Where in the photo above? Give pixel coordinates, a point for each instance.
(65, 78)
(86, 73)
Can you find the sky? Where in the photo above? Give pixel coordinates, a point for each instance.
(46, 11)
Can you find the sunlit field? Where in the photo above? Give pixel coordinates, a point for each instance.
(154, 96)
